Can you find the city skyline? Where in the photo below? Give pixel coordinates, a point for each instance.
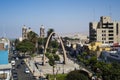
(64, 16)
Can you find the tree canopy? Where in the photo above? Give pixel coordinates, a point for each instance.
(77, 75)
(25, 46)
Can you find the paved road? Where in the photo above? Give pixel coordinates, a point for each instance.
(19, 71)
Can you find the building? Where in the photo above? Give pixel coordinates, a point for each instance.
(42, 31)
(4, 44)
(111, 56)
(98, 47)
(105, 31)
(25, 31)
(5, 66)
(4, 50)
(75, 38)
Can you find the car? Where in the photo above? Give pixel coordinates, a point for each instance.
(27, 70)
(13, 62)
(13, 67)
(14, 72)
(22, 62)
(15, 77)
(18, 66)
(17, 58)
(34, 77)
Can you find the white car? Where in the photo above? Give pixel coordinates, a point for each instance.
(13, 62)
(17, 58)
(27, 70)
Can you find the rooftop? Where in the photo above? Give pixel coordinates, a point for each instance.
(5, 66)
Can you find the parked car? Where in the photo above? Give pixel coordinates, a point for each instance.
(22, 62)
(14, 71)
(13, 62)
(17, 58)
(27, 70)
(15, 77)
(18, 66)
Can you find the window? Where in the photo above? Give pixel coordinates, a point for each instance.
(110, 31)
(117, 29)
(110, 27)
(103, 38)
(103, 34)
(110, 38)
(110, 41)
(104, 25)
(110, 34)
(103, 31)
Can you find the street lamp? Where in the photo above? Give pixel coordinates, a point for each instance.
(63, 68)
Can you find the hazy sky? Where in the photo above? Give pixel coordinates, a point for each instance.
(65, 16)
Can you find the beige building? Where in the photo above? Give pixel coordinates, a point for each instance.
(25, 31)
(105, 31)
(4, 44)
(42, 31)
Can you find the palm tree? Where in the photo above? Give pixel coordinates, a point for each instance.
(32, 36)
(49, 31)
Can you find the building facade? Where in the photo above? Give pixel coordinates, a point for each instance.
(42, 31)
(25, 31)
(4, 50)
(105, 31)
(5, 66)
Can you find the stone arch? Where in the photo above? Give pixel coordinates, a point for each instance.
(64, 51)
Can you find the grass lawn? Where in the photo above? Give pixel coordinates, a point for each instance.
(58, 77)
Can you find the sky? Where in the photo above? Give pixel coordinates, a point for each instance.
(64, 16)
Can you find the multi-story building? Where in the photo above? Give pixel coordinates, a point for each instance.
(5, 66)
(4, 50)
(105, 31)
(25, 32)
(42, 32)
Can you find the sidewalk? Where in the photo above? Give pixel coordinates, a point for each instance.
(31, 64)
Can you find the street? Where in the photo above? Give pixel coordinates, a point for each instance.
(18, 70)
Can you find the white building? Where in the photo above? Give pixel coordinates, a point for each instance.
(105, 31)
(25, 32)
(5, 66)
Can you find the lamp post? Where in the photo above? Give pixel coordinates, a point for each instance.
(63, 68)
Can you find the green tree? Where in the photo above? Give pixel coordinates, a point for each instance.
(56, 57)
(93, 60)
(32, 37)
(41, 44)
(77, 75)
(16, 41)
(25, 46)
(41, 41)
(50, 31)
(54, 44)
